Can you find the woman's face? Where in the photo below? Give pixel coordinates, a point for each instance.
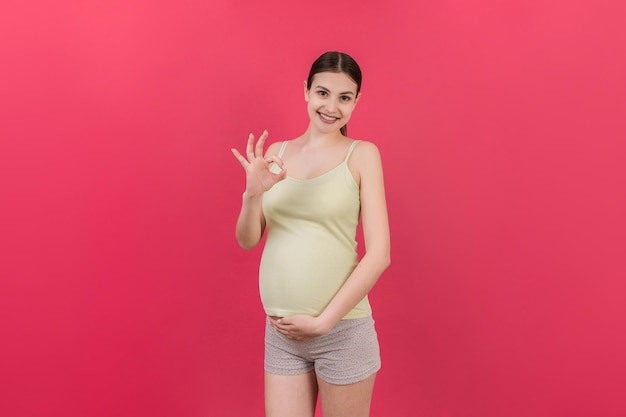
(331, 98)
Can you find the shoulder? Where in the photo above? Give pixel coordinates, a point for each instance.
(274, 148)
(365, 153)
(365, 146)
(364, 163)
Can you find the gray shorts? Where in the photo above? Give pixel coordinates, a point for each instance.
(347, 354)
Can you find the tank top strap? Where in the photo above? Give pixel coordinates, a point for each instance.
(350, 149)
(282, 149)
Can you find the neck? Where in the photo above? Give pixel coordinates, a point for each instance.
(314, 137)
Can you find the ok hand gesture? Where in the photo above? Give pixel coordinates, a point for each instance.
(259, 178)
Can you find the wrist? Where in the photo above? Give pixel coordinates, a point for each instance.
(323, 324)
(247, 195)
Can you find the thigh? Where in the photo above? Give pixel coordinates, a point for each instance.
(290, 395)
(351, 400)
(349, 353)
(284, 356)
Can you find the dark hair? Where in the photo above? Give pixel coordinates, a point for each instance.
(336, 62)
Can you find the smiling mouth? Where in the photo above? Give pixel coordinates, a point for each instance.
(328, 118)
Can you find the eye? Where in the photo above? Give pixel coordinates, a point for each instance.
(345, 98)
(322, 93)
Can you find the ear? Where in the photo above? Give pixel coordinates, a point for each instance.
(306, 92)
(356, 100)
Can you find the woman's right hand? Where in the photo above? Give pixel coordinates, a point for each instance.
(259, 178)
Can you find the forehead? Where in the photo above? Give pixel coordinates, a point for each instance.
(334, 81)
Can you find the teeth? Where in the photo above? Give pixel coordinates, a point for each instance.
(327, 117)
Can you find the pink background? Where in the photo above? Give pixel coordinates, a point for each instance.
(502, 130)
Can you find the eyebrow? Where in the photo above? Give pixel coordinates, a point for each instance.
(326, 89)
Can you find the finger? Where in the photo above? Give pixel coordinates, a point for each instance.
(284, 321)
(284, 327)
(258, 151)
(279, 175)
(280, 326)
(250, 147)
(275, 159)
(240, 157)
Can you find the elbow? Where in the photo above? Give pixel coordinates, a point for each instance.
(246, 246)
(384, 259)
(381, 262)
(384, 256)
(246, 243)
(378, 260)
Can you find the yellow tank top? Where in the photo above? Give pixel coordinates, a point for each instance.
(310, 248)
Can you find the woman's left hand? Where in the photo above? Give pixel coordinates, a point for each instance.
(300, 327)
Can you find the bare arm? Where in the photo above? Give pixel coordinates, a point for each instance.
(377, 251)
(376, 236)
(251, 222)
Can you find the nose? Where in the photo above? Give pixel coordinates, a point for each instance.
(331, 106)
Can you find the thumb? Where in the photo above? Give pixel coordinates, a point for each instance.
(284, 321)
